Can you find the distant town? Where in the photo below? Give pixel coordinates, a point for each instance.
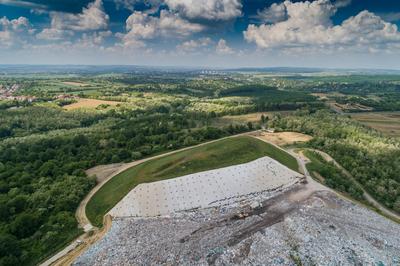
(8, 92)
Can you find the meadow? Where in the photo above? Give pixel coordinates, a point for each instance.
(386, 122)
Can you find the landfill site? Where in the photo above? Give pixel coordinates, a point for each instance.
(223, 186)
(266, 221)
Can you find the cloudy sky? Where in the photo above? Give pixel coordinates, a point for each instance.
(221, 33)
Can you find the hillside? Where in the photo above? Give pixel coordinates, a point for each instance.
(218, 154)
(291, 229)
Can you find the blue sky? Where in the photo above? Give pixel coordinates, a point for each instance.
(220, 33)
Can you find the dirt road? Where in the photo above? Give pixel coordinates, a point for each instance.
(302, 160)
(81, 211)
(70, 257)
(367, 196)
(71, 252)
(312, 185)
(92, 234)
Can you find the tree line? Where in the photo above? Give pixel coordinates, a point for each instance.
(42, 180)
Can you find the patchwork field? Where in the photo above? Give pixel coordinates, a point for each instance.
(386, 122)
(202, 158)
(89, 103)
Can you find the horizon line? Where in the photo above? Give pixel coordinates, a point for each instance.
(207, 67)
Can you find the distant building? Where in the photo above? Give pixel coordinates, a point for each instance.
(65, 97)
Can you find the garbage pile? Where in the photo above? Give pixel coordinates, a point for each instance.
(319, 229)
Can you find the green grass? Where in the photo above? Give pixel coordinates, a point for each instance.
(218, 154)
(317, 161)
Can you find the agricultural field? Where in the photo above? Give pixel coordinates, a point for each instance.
(54, 127)
(386, 122)
(202, 158)
(246, 118)
(74, 83)
(159, 132)
(284, 138)
(89, 103)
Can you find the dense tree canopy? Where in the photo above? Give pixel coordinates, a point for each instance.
(374, 160)
(42, 176)
(45, 150)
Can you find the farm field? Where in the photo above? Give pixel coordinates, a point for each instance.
(386, 122)
(228, 132)
(349, 107)
(89, 103)
(202, 158)
(330, 100)
(47, 141)
(285, 138)
(251, 117)
(74, 83)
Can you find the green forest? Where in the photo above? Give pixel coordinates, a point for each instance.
(42, 177)
(331, 176)
(374, 160)
(45, 148)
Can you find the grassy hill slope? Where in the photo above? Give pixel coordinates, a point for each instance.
(215, 155)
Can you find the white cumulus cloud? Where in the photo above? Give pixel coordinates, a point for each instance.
(141, 26)
(92, 40)
(12, 31)
(223, 48)
(14, 24)
(274, 13)
(206, 9)
(93, 17)
(194, 45)
(309, 25)
(5, 38)
(53, 34)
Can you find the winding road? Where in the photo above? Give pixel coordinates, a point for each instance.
(67, 255)
(92, 234)
(302, 160)
(366, 195)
